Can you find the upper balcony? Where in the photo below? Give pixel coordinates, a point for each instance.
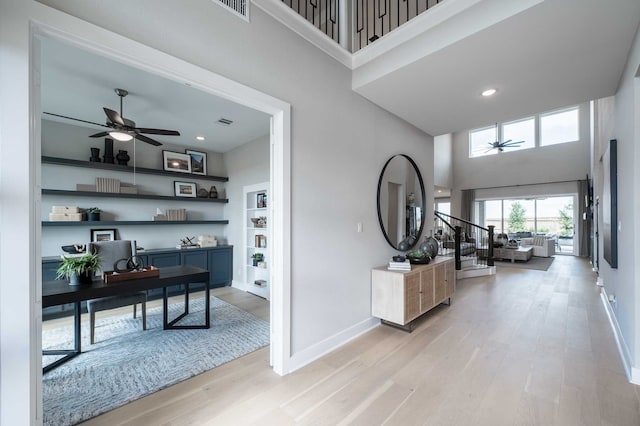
(427, 61)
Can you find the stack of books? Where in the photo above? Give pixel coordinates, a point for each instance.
(399, 266)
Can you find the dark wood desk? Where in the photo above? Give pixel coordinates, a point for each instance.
(60, 292)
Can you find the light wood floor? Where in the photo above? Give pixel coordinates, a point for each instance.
(522, 348)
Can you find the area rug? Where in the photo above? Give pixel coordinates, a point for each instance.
(127, 363)
(537, 263)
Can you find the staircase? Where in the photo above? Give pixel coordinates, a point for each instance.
(471, 245)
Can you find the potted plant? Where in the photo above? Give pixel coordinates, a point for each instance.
(79, 270)
(93, 214)
(257, 257)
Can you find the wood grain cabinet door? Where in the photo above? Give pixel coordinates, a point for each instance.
(439, 283)
(427, 298)
(411, 296)
(450, 278)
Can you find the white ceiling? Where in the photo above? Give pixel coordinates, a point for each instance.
(553, 54)
(78, 84)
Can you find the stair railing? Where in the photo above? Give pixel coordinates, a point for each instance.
(464, 240)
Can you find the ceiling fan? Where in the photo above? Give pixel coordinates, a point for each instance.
(500, 146)
(123, 129)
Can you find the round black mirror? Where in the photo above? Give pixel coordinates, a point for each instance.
(401, 202)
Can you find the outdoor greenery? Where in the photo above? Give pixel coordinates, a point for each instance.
(517, 218)
(566, 220)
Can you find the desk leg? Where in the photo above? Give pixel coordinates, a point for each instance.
(169, 325)
(68, 353)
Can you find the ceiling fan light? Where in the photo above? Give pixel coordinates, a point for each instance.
(120, 136)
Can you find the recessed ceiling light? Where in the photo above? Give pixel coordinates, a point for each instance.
(489, 92)
(200, 138)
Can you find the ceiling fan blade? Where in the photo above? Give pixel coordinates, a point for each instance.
(129, 123)
(75, 119)
(99, 135)
(114, 117)
(158, 131)
(147, 139)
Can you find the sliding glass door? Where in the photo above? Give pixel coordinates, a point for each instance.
(553, 216)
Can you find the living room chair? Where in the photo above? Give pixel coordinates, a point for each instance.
(110, 252)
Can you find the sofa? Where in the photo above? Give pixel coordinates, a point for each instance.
(542, 246)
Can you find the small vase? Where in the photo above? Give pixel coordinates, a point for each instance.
(95, 155)
(93, 217)
(213, 192)
(108, 151)
(122, 157)
(83, 278)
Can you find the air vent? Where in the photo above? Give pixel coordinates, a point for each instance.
(225, 121)
(237, 7)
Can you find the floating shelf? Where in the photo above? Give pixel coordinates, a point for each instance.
(100, 223)
(134, 196)
(127, 169)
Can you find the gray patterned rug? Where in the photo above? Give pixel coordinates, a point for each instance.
(127, 363)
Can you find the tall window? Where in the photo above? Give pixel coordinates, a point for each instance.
(559, 127)
(555, 127)
(480, 139)
(521, 130)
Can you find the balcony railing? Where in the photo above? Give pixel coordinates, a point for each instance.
(368, 19)
(375, 18)
(323, 14)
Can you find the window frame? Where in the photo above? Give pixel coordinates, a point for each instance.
(537, 129)
(555, 112)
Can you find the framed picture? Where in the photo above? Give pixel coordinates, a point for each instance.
(103, 235)
(185, 189)
(261, 200)
(198, 162)
(176, 162)
(610, 203)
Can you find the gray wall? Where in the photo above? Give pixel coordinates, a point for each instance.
(339, 142)
(620, 119)
(443, 160)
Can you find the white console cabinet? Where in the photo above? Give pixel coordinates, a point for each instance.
(399, 297)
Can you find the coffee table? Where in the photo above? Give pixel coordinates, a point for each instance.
(513, 254)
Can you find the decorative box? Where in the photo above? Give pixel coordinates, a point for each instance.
(65, 217)
(65, 209)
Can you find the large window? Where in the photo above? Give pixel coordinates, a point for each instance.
(552, 216)
(554, 128)
(559, 127)
(520, 131)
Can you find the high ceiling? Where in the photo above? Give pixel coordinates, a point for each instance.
(553, 54)
(79, 84)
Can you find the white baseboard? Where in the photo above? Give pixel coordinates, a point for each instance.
(308, 355)
(633, 373)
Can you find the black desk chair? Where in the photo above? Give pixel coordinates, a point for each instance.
(110, 252)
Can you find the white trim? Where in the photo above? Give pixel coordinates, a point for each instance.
(633, 373)
(305, 29)
(318, 350)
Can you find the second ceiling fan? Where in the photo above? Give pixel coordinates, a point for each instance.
(500, 146)
(123, 129)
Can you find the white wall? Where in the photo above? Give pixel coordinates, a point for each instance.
(620, 119)
(247, 165)
(339, 142)
(554, 163)
(443, 160)
(70, 141)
